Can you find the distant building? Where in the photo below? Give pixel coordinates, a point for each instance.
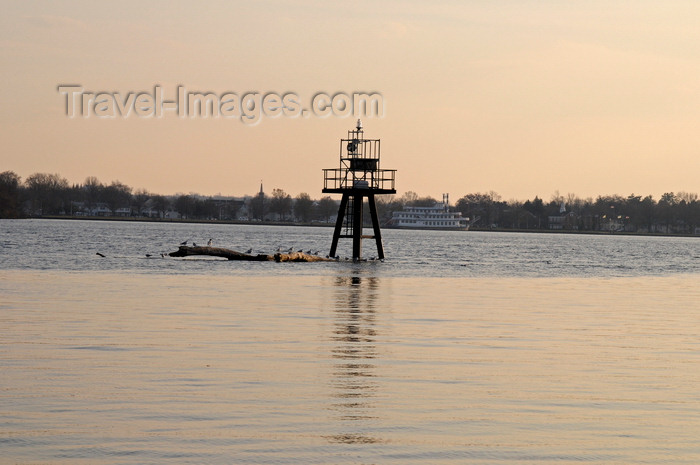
(564, 220)
(100, 209)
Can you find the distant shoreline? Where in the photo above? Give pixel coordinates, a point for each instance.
(330, 225)
(177, 220)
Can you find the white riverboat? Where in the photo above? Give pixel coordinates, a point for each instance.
(438, 216)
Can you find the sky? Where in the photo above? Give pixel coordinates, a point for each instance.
(522, 97)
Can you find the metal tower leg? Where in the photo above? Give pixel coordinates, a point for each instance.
(339, 224)
(357, 227)
(375, 225)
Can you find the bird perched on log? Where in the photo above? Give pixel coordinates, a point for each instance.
(194, 244)
(184, 242)
(249, 251)
(209, 242)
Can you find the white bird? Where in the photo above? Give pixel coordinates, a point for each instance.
(209, 242)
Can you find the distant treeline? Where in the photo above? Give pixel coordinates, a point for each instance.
(43, 194)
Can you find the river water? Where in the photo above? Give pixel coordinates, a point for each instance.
(461, 347)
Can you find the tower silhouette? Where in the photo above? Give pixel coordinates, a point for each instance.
(358, 176)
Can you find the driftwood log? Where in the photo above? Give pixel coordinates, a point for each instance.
(186, 251)
(299, 257)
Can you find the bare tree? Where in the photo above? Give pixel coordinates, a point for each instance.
(326, 208)
(161, 204)
(9, 194)
(257, 206)
(47, 193)
(92, 189)
(303, 205)
(140, 197)
(116, 196)
(281, 203)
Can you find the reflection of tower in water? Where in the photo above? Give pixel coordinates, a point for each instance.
(354, 352)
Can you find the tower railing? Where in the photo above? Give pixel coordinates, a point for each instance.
(358, 147)
(343, 178)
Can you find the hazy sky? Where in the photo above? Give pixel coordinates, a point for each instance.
(520, 97)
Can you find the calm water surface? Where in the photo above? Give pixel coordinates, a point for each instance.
(460, 348)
